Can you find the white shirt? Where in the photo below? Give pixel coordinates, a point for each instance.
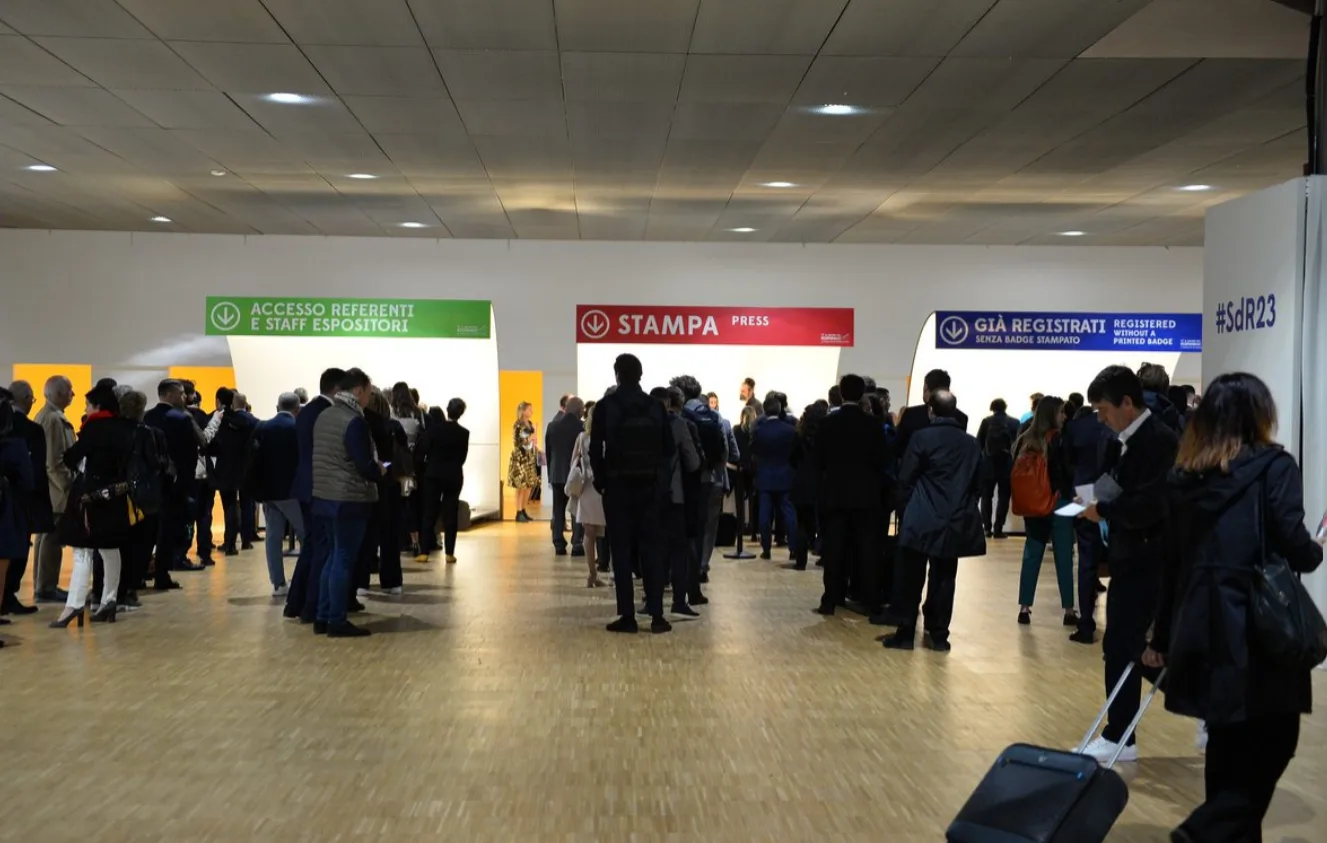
(1132, 429)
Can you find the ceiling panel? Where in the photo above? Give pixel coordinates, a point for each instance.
(188, 109)
(211, 20)
(324, 115)
(120, 63)
(997, 84)
(772, 27)
(1045, 28)
(453, 155)
(622, 77)
(77, 106)
(252, 68)
(491, 25)
(612, 121)
(904, 27)
(152, 148)
(79, 18)
(720, 121)
(22, 62)
(378, 71)
(532, 118)
(378, 23)
(406, 114)
(500, 75)
(742, 78)
(14, 114)
(862, 81)
(646, 26)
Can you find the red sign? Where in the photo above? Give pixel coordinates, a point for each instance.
(662, 324)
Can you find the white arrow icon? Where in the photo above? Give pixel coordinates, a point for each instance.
(225, 316)
(954, 330)
(595, 324)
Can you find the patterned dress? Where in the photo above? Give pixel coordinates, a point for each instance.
(523, 470)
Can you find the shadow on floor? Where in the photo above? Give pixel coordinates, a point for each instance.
(395, 625)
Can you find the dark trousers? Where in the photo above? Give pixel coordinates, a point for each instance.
(347, 536)
(207, 498)
(783, 501)
(996, 486)
(807, 533)
(1244, 763)
(173, 527)
(230, 508)
(389, 512)
(558, 521)
(1090, 549)
(299, 578)
(441, 499)
(318, 547)
(633, 515)
(1131, 605)
(850, 537)
(137, 555)
(938, 610)
(13, 576)
(248, 517)
(680, 550)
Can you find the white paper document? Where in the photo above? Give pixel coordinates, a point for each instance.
(1085, 493)
(1070, 510)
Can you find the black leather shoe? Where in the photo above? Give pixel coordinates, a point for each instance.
(578, 551)
(347, 630)
(899, 642)
(704, 577)
(822, 609)
(1082, 636)
(165, 585)
(188, 566)
(289, 612)
(684, 609)
(319, 628)
(764, 554)
(698, 599)
(625, 625)
(660, 625)
(246, 546)
(355, 606)
(559, 551)
(13, 607)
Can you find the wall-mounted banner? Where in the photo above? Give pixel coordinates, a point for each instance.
(651, 324)
(389, 318)
(1070, 331)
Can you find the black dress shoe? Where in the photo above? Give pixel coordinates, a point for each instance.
(1000, 535)
(246, 546)
(660, 625)
(578, 551)
(355, 606)
(684, 609)
(704, 577)
(13, 607)
(1024, 617)
(1082, 636)
(290, 612)
(165, 585)
(230, 550)
(764, 554)
(624, 624)
(939, 645)
(559, 551)
(698, 599)
(823, 609)
(347, 629)
(319, 627)
(188, 566)
(898, 641)
(206, 561)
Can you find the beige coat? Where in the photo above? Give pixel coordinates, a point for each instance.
(59, 438)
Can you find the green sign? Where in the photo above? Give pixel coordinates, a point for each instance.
(241, 316)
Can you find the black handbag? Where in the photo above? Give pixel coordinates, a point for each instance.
(1287, 626)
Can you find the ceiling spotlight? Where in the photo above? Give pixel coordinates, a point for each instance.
(218, 172)
(1072, 233)
(161, 219)
(836, 109)
(742, 230)
(361, 176)
(412, 225)
(289, 99)
(1195, 188)
(778, 184)
(40, 168)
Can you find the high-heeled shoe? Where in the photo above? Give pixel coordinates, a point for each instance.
(64, 621)
(106, 614)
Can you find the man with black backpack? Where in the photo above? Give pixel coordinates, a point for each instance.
(996, 436)
(631, 452)
(720, 449)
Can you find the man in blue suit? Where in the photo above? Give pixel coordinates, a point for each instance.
(276, 458)
(183, 439)
(772, 446)
(302, 599)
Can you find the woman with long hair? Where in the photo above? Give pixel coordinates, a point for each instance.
(523, 469)
(383, 538)
(589, 506)
(806, 483)
(406, 411)
(1237, 501)
(1043, 438)
(746, 470)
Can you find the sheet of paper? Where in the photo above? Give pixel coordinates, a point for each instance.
(1085, 493)
(1069, 510)
(1106, 489)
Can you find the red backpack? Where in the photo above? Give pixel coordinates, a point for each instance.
(1030, 484)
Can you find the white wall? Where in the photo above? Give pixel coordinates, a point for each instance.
(136, 300)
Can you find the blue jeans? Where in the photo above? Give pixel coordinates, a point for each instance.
(347, 535)
(278, 514)
(785, 504)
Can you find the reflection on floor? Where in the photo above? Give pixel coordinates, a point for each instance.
(493, 706)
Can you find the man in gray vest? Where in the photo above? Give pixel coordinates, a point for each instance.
(345, 474)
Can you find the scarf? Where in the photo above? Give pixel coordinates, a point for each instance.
(100, 414)
(349, 399)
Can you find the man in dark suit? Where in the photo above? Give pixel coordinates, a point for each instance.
(919, 417)
(302, 599)
(772, 446)
(205, 496)
(850, 452)
(996, 436)
(183, 440)
(229, 450)
(1138, 462)
(1087, 439)
(37, 503)
(275, 461)
(560, 440)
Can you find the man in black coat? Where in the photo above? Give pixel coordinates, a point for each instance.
(996, 437)
(229, 449)
(919, 417)
(850, 452)
(37, 503)
(940, 476)
(1087, 439)
(560, 441)
(275, 454)
(182, 444)
(1136, 512)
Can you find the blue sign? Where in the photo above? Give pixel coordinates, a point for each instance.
(1069, 331)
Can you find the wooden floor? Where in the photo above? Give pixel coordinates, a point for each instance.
(492, 706)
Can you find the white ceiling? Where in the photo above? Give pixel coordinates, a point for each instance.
(982, 121)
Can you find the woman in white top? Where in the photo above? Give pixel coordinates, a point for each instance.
(590, 504)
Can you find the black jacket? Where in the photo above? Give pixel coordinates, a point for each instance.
(107, 445)
(1221, 523)
(984, 429)
(806, 467)
(37, 502)
(276, 458)
(1087, 437)
(1137, 536)
(940, 476)
(559, 441)
(850, 449)
(1164, 410)
(230, 448)
(608, 413)
(440, 452)
(181, 437)
(915, 419)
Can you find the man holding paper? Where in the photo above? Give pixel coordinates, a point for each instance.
(1132, 499)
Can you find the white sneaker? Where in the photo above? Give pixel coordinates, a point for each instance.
(361, 592)
(395, 592)
(1104, 750)
(280, 591)
(1200, 740)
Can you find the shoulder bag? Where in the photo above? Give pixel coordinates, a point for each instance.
(1287, 626)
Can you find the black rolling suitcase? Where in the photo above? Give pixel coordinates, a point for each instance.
(1038, 795)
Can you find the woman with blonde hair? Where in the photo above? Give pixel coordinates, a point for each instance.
(523, 469)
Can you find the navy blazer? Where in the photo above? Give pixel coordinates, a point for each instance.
(303, 489)
(181, 441)
(772, 445)
(1086, 437)
(277, 458)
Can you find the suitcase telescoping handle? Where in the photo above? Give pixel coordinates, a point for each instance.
(1105, 709)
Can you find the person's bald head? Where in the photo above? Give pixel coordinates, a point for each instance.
(943, 404)
(23, 399)
(574, 407)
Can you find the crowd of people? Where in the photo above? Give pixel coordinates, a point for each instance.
(1179, 500)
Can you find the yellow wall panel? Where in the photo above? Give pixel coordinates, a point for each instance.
(37, 374)
(207, 380)
(513, 388)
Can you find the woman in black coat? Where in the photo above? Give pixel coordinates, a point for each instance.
(1237, 498)
(440, 460)
(384, 537)
(806, 482)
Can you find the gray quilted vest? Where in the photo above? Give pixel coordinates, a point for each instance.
(335, 477)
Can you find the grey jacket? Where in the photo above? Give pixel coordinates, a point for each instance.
(59, 438)
(686, 460)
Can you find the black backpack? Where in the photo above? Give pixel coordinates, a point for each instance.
(999, 440)
(145, 471)
(635, 445)
(710, 430)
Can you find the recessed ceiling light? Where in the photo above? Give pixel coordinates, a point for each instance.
(778, 184)
(289, 99)
(412, 225)
(161, 219)
(742, 230)
(218, 172)
(1195, 188)
(40, 168)
(1072, 233)
(837, 109)
(361, 176)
